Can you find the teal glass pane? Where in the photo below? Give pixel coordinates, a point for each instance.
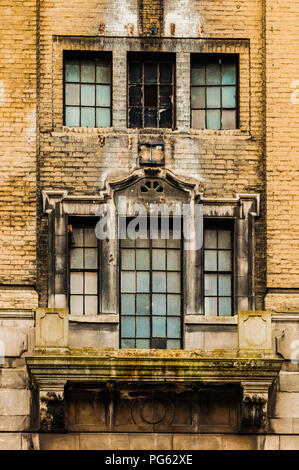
(210, 284)
(213, 119)
(76, 284)
(213, 74)
(143, 281)
(143, 327)
(128, 327)
(210, 306)
(76, 304)
(103, 116)
(76, 258)
(159, 304)
(91, 305)
(224, 284)
(88, 117)
(198, 97)
(127, 304)
(173, 304)
(87, 95)
(173, 282)
(224, 239)
(143, 344)
(91, 283)
(159, 327)
(128, 343)
(72, 116)
(91, 258)
(228, 119)
(159, 281)
(127, 259)
(224, 260)
(142, 304)
(103, 73)
(103, 95)
(225, 307)
(213, 97)
(72, 72)
(198, 119)
(72, 94)
(228, 74)
(229, 97)
(173, 260)
(159, 259)
(173, 327)
(88, 72)
(210, 260)
(173, 344)
(127, 281)
(142, 259)
(197, 75)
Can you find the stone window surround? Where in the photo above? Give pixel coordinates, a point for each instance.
(119, 48)
(243, 208)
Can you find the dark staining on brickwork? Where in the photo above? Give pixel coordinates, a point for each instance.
(150, 17)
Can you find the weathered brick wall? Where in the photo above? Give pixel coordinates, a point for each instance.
(17, 145)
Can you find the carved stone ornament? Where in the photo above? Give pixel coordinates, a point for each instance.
(52, 411)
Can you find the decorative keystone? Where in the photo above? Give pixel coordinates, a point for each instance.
(254, 331)
(52, 328)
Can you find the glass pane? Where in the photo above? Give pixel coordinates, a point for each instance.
(91, 283)
(173, 260)
(198, 97)
(88, 95)
(142, 304)
(228, 74)
(76, 283)
(128, 259)
(143, 344)
(76, 258)
(72, 116)
(213, 97)
(224, 260)
(225, 308)
(135, 73)
(90, 238)
(150, 118)
(72, 72)
(165, 96)
(103, 95)
(78, 236)
(88, 117)
(127, 281)
(213, 74)
(128, 327)
(150, 73)
(224, 284)
(173, 344)
(143, 282)
(213, 119)
(210, 238)
(228, 119)
(159, 327)
(173, 327)
(159, 304)
(165, 118)
(165, 73)
(91, 305)
(210, 306)
(135, 118)
(229, 97)
(198, 119)
(103, 73)
(127, 343)
(76, 304)
(210, 284)
(224, 239)
(159, 259)
(72, 94)
(103, 117)
(143, 327)
(173, 282)
(91, 258)
(127, 304)
(198, 75)
(210, 260)
(159, 281)
(135, 96)
(150, 96)
(87, 72)
(173, 304)
(142, 259)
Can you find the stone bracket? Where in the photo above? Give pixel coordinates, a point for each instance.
(51, 407)
(254, 406)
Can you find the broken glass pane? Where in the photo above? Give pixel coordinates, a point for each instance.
(198, 97)
(198, 75)
(150, 118)
(72, 116)
(165, 73)
(150, 73)
(72, 94)
(72, 72)
(103, 95)
(165, 118)
(135, 96)
(213, 97)
(135, 73)
(165, 96)
(151, 96)
(135, 118)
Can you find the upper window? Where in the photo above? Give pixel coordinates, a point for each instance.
(214, 91)
(151, 90)
(87, 89)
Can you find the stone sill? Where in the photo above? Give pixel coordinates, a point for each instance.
(202, 320)
(101, 318)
